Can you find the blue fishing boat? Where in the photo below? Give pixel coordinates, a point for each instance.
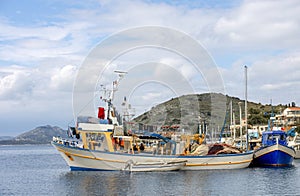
(274, 150)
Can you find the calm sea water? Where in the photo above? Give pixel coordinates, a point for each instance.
(40, 170)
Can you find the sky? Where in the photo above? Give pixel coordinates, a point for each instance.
(44, 43)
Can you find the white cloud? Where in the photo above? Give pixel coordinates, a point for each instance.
(15, 82)
(22, 83)
(279, 74)
(274, 77)
(151, 96)
(261, 24)
(10, 32)
(185, 68)
(63, 78)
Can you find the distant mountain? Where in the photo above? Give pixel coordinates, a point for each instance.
(6, 138)
(39, 135)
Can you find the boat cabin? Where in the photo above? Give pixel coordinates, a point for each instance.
(274, 137)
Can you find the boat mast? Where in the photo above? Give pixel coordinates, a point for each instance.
(246, 109)
(234, 128)
(241, 125)
(231, 119)
(115, 85)
(121, 75)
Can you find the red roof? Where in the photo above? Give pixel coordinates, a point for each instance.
(294, 108)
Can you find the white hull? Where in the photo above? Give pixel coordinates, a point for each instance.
(80, 159)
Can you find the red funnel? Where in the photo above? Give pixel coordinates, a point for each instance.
(101, 113)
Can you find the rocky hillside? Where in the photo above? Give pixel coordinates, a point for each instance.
(39, 135)
(209, 108)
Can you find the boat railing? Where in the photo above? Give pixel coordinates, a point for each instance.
(66, 142)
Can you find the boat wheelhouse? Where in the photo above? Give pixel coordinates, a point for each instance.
(274, 150)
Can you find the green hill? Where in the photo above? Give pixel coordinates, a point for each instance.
(213, 109)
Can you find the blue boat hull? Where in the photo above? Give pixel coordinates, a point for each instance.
(275, 155)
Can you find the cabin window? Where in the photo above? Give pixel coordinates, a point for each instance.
(97, 141)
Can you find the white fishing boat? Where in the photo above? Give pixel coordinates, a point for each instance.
(100, 154)
(103, 146)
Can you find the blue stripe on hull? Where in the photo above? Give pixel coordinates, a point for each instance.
(274, 158)
(86, 169)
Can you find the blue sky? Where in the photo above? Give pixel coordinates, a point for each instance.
(43, 43)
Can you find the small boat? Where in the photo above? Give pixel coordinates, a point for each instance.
(295, 143)
(154, 166)
(297, 149)
(274, 150)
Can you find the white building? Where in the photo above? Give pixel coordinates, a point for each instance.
(289, 117)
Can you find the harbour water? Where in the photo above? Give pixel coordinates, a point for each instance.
(40, 170)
